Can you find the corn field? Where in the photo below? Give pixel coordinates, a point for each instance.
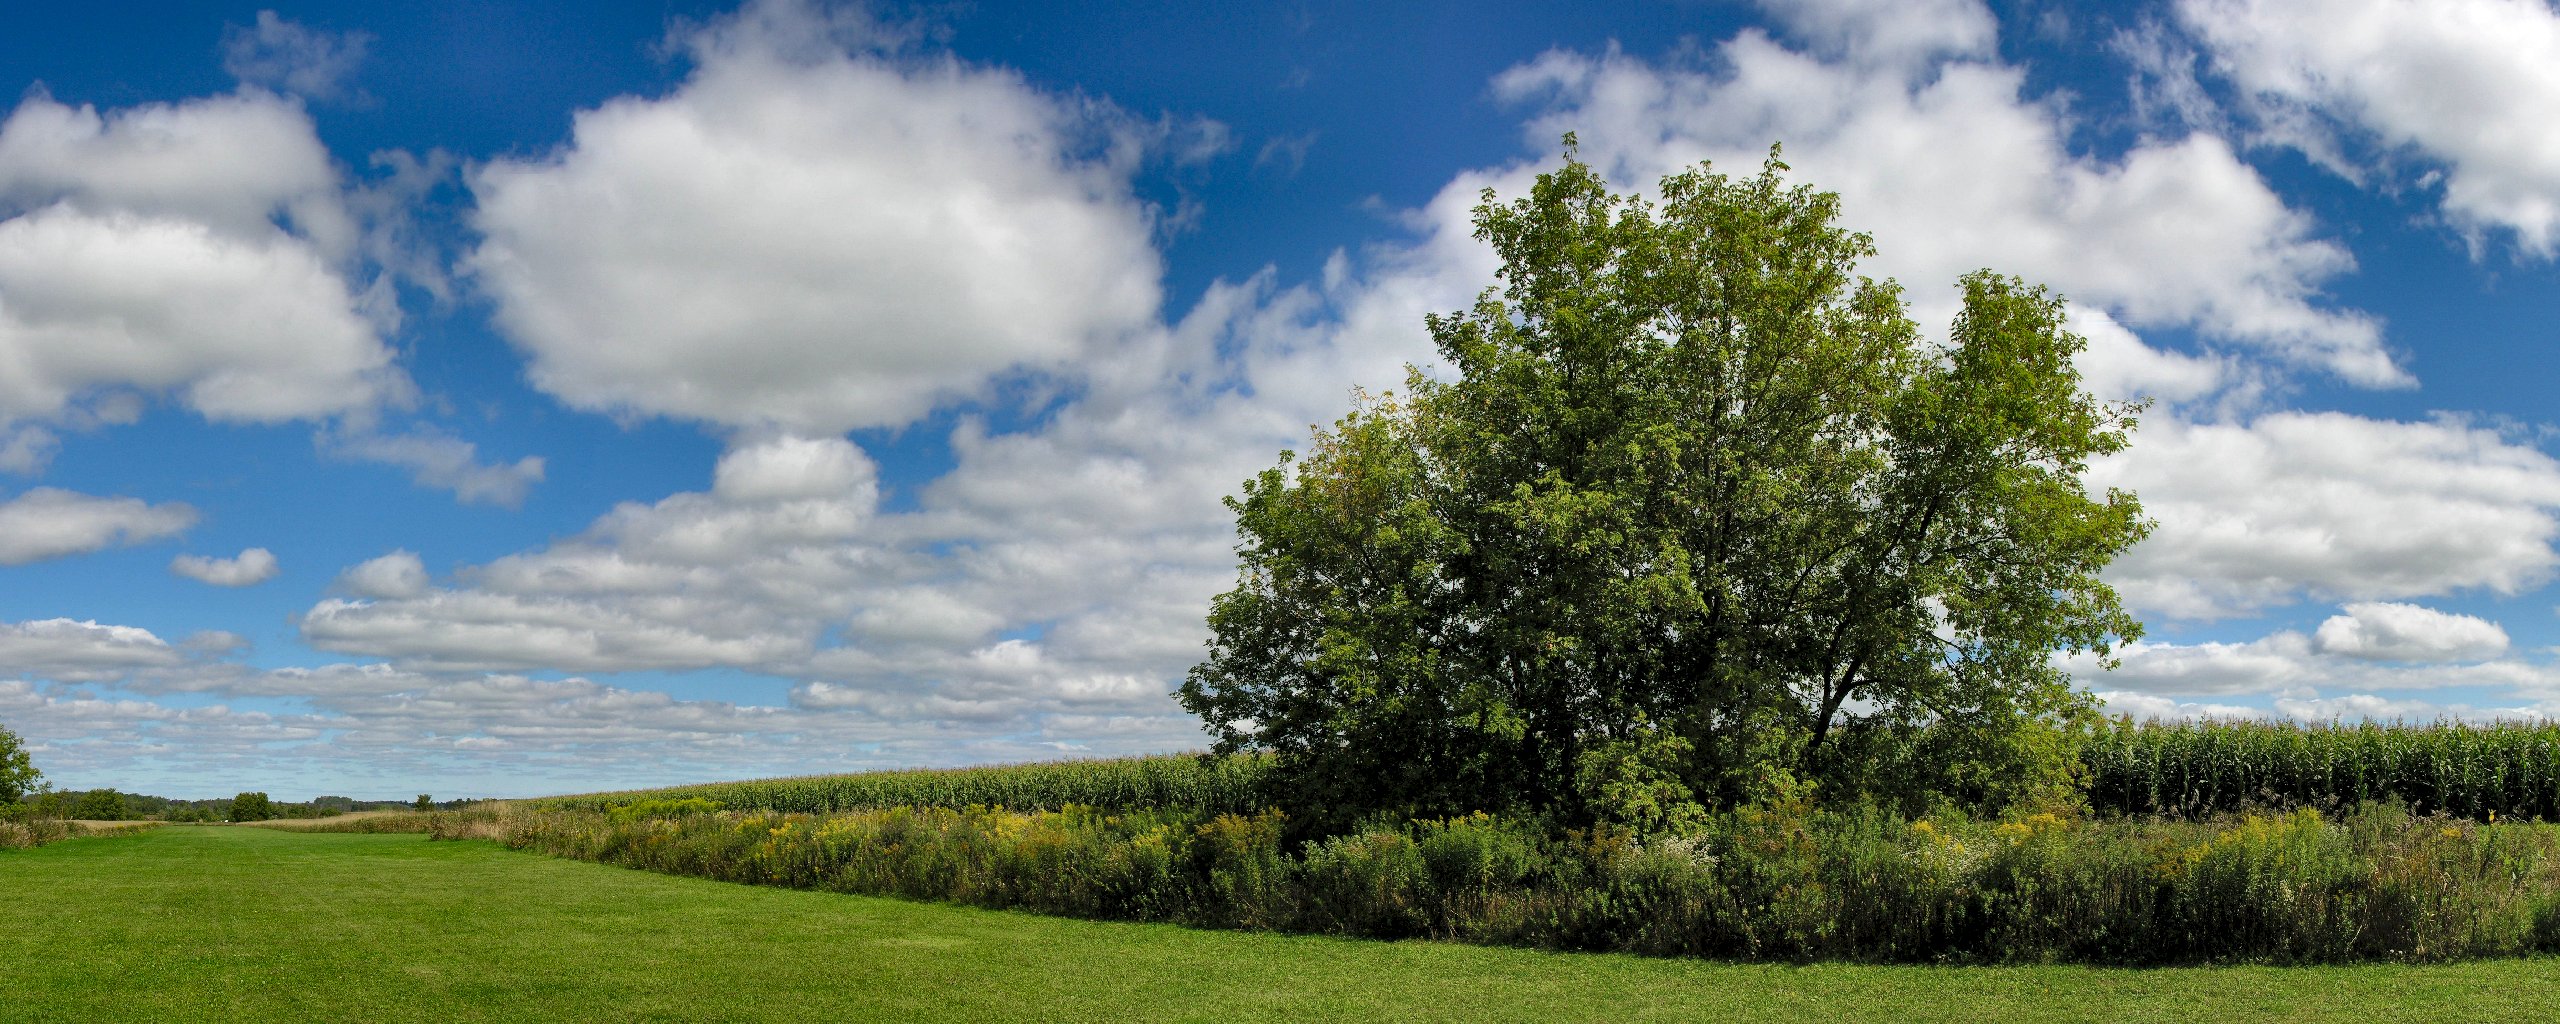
(1177, 781)
(2465, 771)
(2509, 769)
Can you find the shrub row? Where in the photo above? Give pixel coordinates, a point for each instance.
(2468, 771)
(1782, 882)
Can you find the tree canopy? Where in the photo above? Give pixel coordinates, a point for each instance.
(1695, 512)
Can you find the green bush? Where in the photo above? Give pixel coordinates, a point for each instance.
(660, 808)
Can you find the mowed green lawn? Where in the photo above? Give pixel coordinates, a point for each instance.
(254, 924)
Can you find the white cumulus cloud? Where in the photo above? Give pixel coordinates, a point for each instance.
(256, 329)
(234, 164)
(815, 239)
(788, 468)
(193, 250)
(210, 252)
(2431, 653)
(2295, 505)
(744, 576)
(2390, 631)
(395, 575)
(1937, 151)
(249, 568)
(48, 522)
(81, 650)
(2472, 86)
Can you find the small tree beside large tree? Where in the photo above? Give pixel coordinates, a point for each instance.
(1699, 517)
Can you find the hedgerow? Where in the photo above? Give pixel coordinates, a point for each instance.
(1786, 881)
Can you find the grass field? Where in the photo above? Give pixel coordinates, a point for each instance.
(256, 924)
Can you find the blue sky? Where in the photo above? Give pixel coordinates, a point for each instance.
(497, 399)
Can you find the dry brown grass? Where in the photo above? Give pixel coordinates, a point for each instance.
(19, 835)
(322, 824)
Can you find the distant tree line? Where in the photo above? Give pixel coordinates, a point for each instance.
(24, 794)
(116, 805)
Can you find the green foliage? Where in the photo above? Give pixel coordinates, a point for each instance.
(1787, 880)
(1693, 475)
(424, 802)
(1635, 783)
(198, 811)
(638, 809)
(252, 807)
(2509, 769)
(18, 774)
(100, 805)
(48, 802)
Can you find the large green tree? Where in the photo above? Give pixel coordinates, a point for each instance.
(252, 807)
(1696, 514)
